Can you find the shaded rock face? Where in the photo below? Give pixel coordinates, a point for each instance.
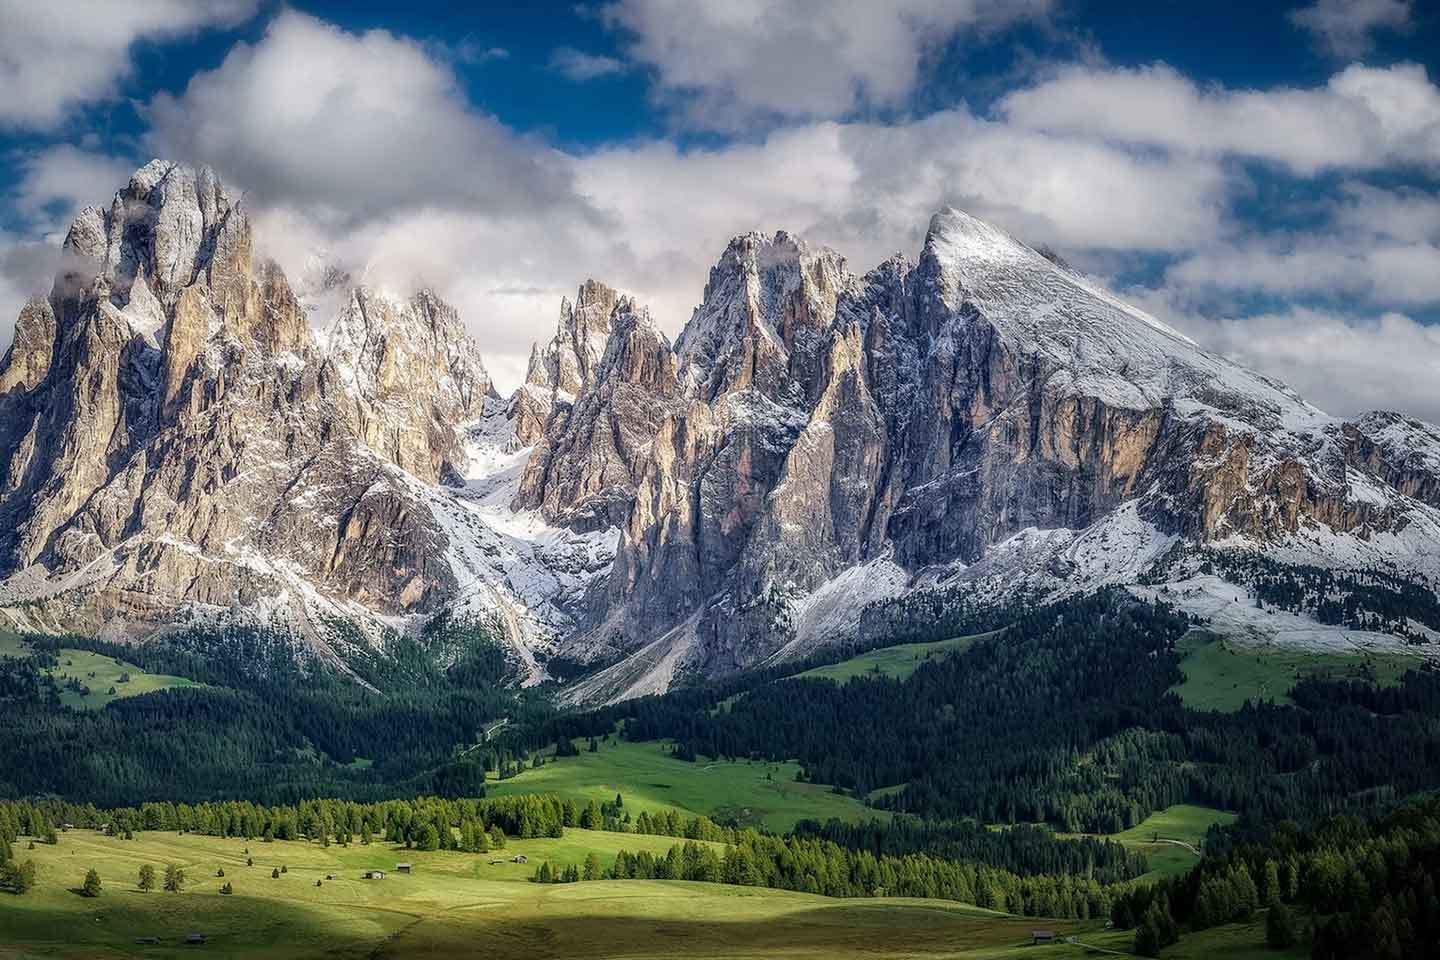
(559, 372)
(171, 433)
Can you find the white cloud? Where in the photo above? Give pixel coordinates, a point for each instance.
(1344, 364)
(1364, 118)
(869, 189)
(1389, 274)
(1404, 214)
(56, 54)
(727, 64)
(1379, 247)
(580, 66)
(351, 126)
(1346, 28)
(362, 145)
(57, 181)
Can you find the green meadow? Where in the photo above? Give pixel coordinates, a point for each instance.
(1222, 674)
(755, 793)
(898, 662)
(456, 904)
(97, 672)
(1169, 838)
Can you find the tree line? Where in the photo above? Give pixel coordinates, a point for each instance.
(1354, 888)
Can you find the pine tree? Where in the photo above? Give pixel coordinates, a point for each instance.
(275, 873)
(1272, 883)
(174, 878)
(593, 870)
(146, 880)
(91, 886)
(1147, 938)
(1279, 927)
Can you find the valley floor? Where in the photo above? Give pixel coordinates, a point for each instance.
(456, 904)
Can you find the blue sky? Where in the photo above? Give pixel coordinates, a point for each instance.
(1264, 176)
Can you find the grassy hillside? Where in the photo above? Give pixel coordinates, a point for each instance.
(1169, 838)
(457, 904)
(755, 794)
(1221, 674)
(96, 671)
(1233, 941)
(898, 661)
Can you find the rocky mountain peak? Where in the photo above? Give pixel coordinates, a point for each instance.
(413, 376)
(175, 442)
(168, 227)
(559, 371)
(767, 304)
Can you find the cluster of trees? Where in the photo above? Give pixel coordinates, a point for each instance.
(15, 877)
(1367, 887)
(1362, 600)
(263, 726)
(819, 866)
(545, 873)
(992, 732)
(430, 823)
(925, 616)
(1023, 849)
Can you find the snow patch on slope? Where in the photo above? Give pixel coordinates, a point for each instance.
(830, 614)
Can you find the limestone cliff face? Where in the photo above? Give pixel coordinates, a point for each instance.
(559, 372)
(921, 416)
(176, 440)
(585, 469)
(412, 378)
(172, 435)
(28, 360)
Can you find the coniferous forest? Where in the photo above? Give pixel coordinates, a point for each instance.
(1059, 719)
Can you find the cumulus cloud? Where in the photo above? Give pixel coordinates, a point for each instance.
(729, 64)
(1345, 364)
(869, 189)
(1379, 246)
(580, 66)
(1346, 28)
(57, 54)
(1364, 118)
(57, 181)
(351, 126)
(362, 148)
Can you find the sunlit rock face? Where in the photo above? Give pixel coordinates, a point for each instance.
(181, 437)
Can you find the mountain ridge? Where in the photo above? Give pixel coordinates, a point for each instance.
(983, 419)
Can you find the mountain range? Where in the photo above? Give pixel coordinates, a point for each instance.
(188, 439)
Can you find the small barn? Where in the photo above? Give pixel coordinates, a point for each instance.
(196, 939)
(403, 867)
(519, 858)
(1042, 936)
(147, 941)
(374, 874)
